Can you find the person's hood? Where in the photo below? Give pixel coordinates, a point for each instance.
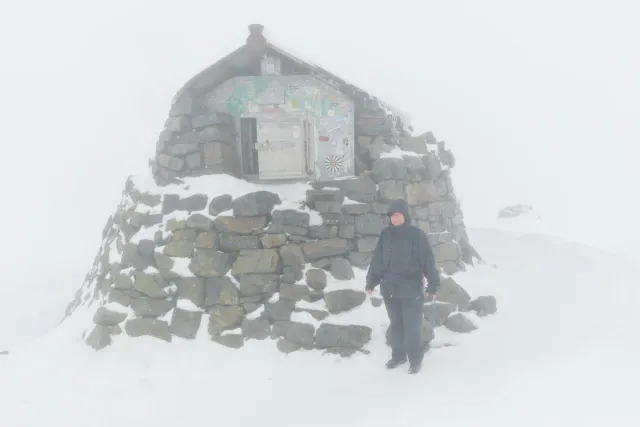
(401, 206)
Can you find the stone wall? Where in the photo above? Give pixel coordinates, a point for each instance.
(251, 268)
(194, 142)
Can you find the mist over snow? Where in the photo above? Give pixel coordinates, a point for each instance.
(538, 101)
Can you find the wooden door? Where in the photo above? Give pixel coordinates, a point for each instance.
(281, 148)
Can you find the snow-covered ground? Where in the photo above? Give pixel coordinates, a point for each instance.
(562, 350)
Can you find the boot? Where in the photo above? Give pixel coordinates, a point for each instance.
(414, 367)
(394, 363)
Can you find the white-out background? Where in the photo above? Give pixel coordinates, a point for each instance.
(539, 101)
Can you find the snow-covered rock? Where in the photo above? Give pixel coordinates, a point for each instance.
(186, 255)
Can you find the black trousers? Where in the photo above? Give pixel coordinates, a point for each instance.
(406, 316)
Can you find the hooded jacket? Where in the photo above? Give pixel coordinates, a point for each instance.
(402, 258)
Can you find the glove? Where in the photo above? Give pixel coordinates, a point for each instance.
(429, 296)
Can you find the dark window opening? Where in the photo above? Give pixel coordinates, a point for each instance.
(248, 141)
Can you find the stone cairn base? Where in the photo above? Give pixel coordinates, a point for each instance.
(254, 269)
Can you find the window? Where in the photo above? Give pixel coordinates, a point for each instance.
(270, 66)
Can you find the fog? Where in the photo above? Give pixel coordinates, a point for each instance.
(538, 100)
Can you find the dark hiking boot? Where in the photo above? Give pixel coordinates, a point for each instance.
(394, 363)
(414, 368)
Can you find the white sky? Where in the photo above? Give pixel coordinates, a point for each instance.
(539, 100)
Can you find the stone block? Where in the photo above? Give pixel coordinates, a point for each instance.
(209, 263)
(257, 261)
(148, 326)
(169, 162)
(391, 190)
(345, 336)
(220, 291)
(249, 225)
(185, 324)
(314, 251)
(255, 204)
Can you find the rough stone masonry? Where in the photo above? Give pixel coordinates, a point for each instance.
(252, 265)
(244, 267)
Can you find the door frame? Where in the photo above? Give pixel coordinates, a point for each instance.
(307, 127)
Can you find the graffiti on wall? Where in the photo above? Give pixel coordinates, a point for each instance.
(240, 99)
(304, 97)
(259, 94)
(334, 147)
(311, 98)
(333, 124)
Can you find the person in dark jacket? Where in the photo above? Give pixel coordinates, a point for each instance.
(403, 257)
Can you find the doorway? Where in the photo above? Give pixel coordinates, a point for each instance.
(282, 151)
(248, 142)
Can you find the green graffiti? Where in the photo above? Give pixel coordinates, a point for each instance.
(239, 100)
(303, 97)
(300, 97)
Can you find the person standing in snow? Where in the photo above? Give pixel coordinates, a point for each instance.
(403, 257)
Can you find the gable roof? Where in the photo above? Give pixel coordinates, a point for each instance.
(256, 46)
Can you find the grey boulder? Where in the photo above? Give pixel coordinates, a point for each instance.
(349, 336)
(258, 329)
(99, 337)
(148, 326)
(298, 333)
(185, 324)
(255, 204)
(343, 300)
(258, 284)
(291, 274)
(223, 318)
(484, 305)
(279, 311)
(220, 204)
(221, 291)
(294, 292)
(316, 279)
(341, 269)
(229, 340)
(106, 317)
(460, 323)
(151, 307)
(438, 312)
(453, 293)
(209, 263)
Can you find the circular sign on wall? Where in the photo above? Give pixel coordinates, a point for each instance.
(334, 164)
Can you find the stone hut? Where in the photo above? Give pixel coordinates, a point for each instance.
(262, 114)
(184, 248)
